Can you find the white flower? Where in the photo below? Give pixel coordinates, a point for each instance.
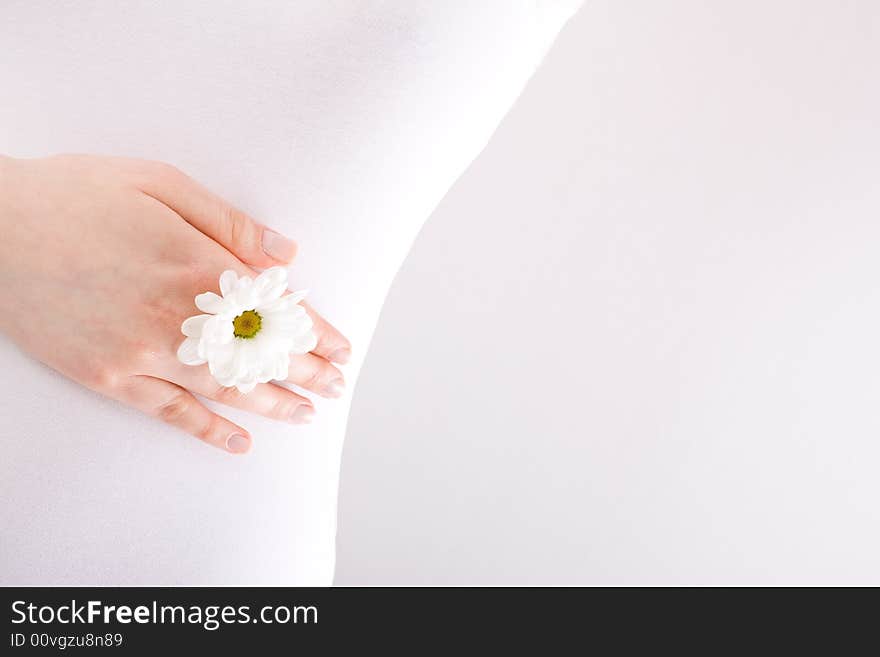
(249, 333)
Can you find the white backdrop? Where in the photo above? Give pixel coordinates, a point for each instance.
(639, 341)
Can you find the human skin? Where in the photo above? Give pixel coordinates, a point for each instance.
(100, 261)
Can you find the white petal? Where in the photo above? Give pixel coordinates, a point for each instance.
(188, 352)
(250, 373)
(270, 285)
(244, 297)
(282, 368)
(267, 370)
(241, 360)
(304, 343)
(208, 302)
(228, 282)
(296, 297)
(287, 321)
(286, 304)
(221, 361)
(218, 329)
(271, 277)
(192, 326)
(245, 388)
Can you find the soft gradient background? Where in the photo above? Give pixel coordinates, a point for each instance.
(639, 341)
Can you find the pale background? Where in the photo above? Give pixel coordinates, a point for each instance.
(639, 341)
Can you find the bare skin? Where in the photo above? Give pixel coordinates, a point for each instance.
(100, 259)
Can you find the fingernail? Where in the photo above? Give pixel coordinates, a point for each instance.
(277, 246)
(335, 388)
(302, 414)
(341, 356)
(237, 444)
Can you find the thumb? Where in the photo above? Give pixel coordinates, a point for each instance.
(245, 237)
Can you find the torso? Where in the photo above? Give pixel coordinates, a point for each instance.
(341, 127)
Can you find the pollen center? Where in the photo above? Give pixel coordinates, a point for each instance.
(247, 325)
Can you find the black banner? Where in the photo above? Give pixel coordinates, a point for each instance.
(416, 620)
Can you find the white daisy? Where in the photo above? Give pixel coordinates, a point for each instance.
(249, 333)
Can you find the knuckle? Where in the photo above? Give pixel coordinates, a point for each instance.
(235, 226)
(152, 174)
(325, 341)
(230, 396)
(142, 358)
(329, 339)
(207, 431)
(281, 409)
(314, 378)
(174, 409)
(165, 172)
(100, 376)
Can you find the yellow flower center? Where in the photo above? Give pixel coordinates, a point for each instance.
(247, 325)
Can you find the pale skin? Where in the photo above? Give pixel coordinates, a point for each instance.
(100, 259)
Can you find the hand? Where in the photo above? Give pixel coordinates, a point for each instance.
(100, 259)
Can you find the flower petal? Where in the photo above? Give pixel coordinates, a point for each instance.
(286, 323)
(245, 388)
(221, 362)
(272, 276)
(228, 282)
(268, 367)
(208, 302)
(192, 326)
(286, 304)
(218, 330)
(242, 358)
(282, 368)
(270, 285)
(188, 352)
(304, 343)
(244, 297)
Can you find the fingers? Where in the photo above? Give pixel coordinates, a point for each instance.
(316, 374)
(247, 239)
(332, 345)
(244, 236)
(266, 399)
(179, 408)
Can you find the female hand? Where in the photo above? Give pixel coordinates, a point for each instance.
(100, 259)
